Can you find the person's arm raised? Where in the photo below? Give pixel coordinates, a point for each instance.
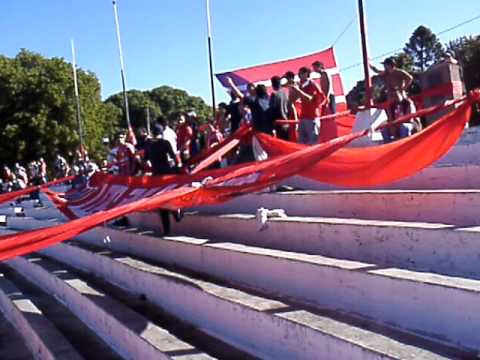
(234, 88)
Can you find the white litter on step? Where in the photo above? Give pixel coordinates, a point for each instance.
(263, 215)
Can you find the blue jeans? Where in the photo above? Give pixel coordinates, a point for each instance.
(309, 131)
(404, 130)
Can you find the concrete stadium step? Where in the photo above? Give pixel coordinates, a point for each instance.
(264, 326)
(421, 288)
(12, 346)
(39, 334)
(364, 289)
(439, 248)
(82, 338)
(459, 207)
(442, 176)
(128, 333)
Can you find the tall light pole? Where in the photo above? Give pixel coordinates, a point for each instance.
(77, 95)
(122, 65)
(366, 64)
(210, 58)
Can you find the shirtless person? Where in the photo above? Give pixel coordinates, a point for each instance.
(397, 82)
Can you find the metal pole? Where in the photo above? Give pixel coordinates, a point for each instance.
(122, 65)
(148, 121)
(210, 59)
(366, 68)
(77, 96)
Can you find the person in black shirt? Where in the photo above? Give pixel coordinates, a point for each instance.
(279, 108)
(161, 155)
(233, 112)
(259, 102)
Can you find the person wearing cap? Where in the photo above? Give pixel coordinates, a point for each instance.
(397, 83)
(312, 98)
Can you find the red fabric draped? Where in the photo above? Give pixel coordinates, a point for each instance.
(227, 184)
(382, 164)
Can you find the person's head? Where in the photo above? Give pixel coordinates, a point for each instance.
(142, 132)
(251, 89)
(304, 73)
(181, 119)
(261, 91)
(276, 82)
(122, 137)
(318, 66)
(157, 130)
(389, 64)
(162, 121)
(222, 108)
(289, 77)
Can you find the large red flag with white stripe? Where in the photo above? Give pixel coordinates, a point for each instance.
(261, 74)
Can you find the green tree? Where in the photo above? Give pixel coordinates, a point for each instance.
(467, 51)
(163, 100)
(37, 108)
(138, 102)
(404, 61)
(424, 48)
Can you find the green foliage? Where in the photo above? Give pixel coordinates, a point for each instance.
(404, 61)
(467, 51)
(163, 100)
(37, 108)
(424, 48)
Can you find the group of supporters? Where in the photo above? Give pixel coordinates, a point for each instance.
(19, 177)
(296, 99)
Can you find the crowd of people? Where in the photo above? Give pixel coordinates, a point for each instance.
(293, 102)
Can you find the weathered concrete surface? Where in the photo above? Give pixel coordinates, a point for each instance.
(250, 321)
(441, 248)
(77, 296)
(41, 337)
(361, 288)
(459, 207)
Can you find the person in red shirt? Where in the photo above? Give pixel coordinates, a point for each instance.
(124, 156)
(312, 98)
(184, 138)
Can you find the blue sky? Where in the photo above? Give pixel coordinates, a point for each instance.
(165, 40)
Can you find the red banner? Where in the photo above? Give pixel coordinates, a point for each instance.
(376, 165)
(107, 197)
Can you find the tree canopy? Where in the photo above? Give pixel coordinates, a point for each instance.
(38, 109)
(424, 48)
(163, 100)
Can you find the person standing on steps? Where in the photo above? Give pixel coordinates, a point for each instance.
(161, 156)
(312, 98)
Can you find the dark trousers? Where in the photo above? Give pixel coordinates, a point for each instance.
(164, 214)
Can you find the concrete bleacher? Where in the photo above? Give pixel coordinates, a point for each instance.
(348, 274)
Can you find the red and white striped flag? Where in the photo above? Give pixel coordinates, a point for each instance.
(261, 74)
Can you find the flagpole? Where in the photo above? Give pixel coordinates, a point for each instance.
(148, 121)
(77, 95)
(210, 58)
(122, 65)
(366, 65)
